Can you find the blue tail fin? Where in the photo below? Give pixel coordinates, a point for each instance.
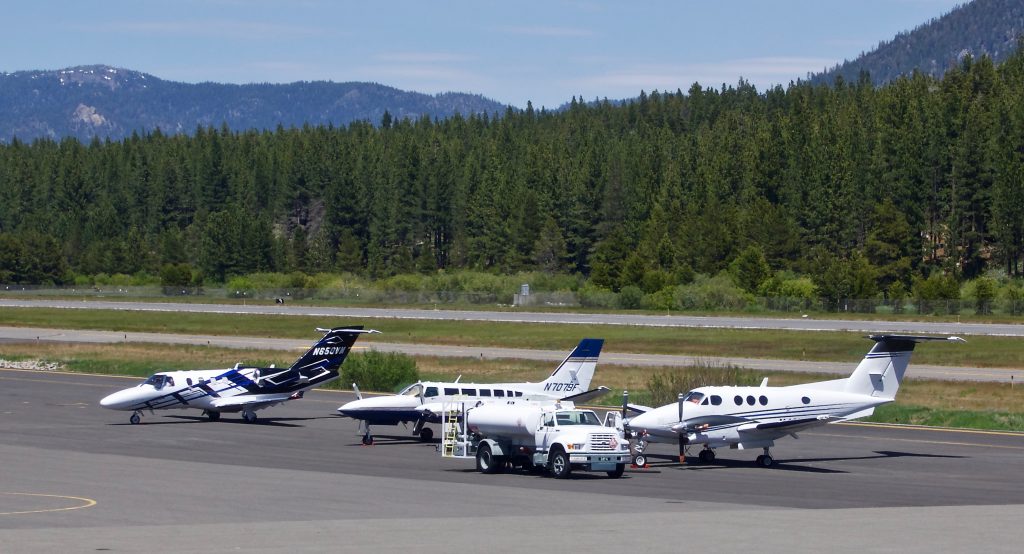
(329, 352)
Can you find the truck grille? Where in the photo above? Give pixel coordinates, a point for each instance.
(603, 441)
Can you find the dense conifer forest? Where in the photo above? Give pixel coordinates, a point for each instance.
(864, 191)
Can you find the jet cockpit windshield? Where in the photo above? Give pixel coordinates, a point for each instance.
(694, 396)
(414, 389)
(159, 381)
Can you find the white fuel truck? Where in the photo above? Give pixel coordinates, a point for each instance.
(533, 436)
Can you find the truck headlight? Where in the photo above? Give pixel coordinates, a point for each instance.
(575, 445)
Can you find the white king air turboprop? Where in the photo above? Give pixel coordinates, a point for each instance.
(239, 389)
(753, 417)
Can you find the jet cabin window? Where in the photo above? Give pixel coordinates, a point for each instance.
(450, 391)
(694, 396)
(485, 392)
(469, 392)
(499, 393)
(716, 400)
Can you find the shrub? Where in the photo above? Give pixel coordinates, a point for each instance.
(665, 386)
(593, 296)
(630, 297)
(379, 371)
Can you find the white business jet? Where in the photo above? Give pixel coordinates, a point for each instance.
(754, 417)
(423, 402)
(239, 389)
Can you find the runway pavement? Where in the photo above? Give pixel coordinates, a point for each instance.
(78, 478)
(514, 316)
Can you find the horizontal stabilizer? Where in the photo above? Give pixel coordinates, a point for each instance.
(588, 395)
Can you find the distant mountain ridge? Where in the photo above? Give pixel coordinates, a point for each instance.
(110, 102)
(981, 27)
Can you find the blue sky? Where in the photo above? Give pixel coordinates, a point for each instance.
(512, 52)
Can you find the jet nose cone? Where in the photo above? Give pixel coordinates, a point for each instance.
(117, 401)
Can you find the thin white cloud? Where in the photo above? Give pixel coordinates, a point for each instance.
(205, 28)
(550, 32)
(422, 57)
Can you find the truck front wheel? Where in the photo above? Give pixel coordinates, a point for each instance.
(559, 464)
(618, 471)
(487, 462)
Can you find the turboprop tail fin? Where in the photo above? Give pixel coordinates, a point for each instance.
(576, 371)
(882, 369)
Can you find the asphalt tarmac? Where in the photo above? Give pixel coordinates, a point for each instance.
(77, 478)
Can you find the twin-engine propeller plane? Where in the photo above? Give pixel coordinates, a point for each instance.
(239, 389)
(423, 402)
(754, 417)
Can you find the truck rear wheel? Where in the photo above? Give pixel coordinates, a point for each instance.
(618, 471)
(559, 464)
(487, 462)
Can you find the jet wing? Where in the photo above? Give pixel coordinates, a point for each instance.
(254, 402)
(587, 396)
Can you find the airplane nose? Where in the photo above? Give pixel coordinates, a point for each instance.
(117, 401)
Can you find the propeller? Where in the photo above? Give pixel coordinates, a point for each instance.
(359, 395)
(683, 438)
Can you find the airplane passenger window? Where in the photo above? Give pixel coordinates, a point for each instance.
(738, 400)
(716, 400)
(485, 392)
(469, 392)
(499, 393)
(805, 400)
(750, 400)
(450, 391)
(431, 392)
(763, 400)
(518, 393)
(705, 402)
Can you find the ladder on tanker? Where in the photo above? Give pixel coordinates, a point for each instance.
(454, 439)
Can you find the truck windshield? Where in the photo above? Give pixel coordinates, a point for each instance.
(577, 417)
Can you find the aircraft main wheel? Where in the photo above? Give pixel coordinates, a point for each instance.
(367, 439)
(487, 462)
(618, 471)
(765, 460)
(213, 416)
(707, 456)
(426, 434)
(135, 419)
(249, 418)
(560, 466)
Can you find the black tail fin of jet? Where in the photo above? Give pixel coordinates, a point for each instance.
(329, 352)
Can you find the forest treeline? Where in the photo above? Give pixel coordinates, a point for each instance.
(864, 191)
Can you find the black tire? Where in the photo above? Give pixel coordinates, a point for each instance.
(618, 471)
(766, 461)
(135, 419)
(426, 434)
(249, 418)
(640, 460)
(487, 462)
(707, 456)
(711, 456)
(558, 464)
(213, 416)
(367, 440)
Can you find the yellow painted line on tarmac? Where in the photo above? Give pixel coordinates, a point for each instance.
(86, 503)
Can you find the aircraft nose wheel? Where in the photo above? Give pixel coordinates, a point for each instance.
(367, 439)
(135, 419)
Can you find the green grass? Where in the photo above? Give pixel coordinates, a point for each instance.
(1005, 352)
(905, 413)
